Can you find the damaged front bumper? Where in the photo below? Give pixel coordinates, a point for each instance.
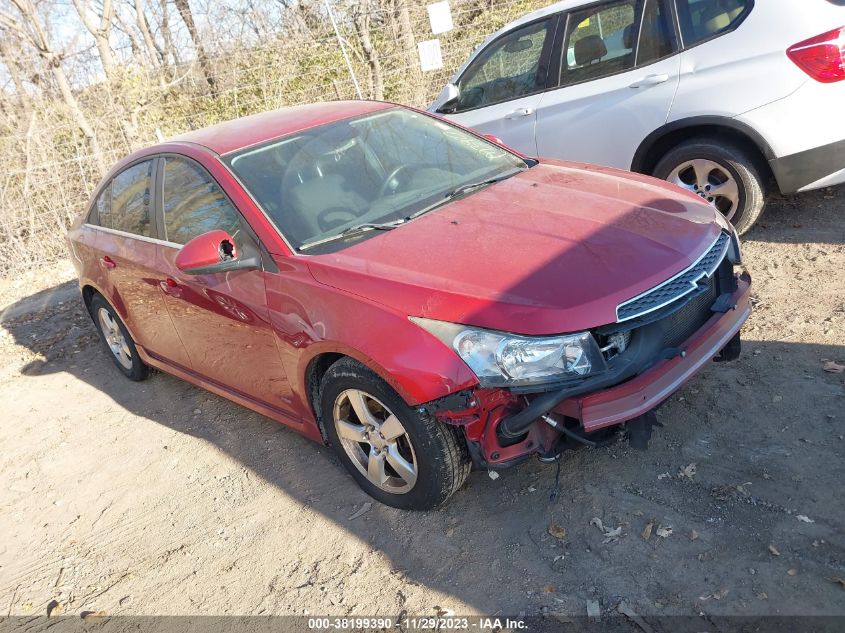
(502, 426)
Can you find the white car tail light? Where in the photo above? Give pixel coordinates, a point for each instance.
(822, 57)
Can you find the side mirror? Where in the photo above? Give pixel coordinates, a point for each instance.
(214, 252)
(448, 98)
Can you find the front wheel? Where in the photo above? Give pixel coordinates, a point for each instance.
(719, 172)
(399, 456)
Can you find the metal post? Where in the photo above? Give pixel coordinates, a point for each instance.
(343, 49)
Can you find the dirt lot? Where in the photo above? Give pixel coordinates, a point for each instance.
(160, 498)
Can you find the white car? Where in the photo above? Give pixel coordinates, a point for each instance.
(718, 96)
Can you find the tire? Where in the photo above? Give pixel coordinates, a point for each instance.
(728, 159)
(119, 344)
(436, 453)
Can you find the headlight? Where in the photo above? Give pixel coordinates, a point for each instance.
(500, 359)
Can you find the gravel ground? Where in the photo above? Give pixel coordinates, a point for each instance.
(160, 498)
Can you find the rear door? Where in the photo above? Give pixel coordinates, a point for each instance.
(502, 87)
(734, 55)
(221, 318)
(617, 70)
(127, 250)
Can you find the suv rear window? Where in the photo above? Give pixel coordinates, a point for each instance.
(702, 20)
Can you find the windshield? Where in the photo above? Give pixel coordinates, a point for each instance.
(374, 169)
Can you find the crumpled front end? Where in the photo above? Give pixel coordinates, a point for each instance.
(660, 340)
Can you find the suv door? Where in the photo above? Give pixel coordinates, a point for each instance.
(222, 318)
(502, 86)
(127, 247)
(618, 71)
(725, 71)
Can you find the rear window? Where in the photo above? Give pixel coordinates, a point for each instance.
(130, 199)
(125, 202)
(101, 213)
(702, 20)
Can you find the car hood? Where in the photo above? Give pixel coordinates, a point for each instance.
(554, 249)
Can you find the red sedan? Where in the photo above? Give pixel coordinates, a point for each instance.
(421, 298)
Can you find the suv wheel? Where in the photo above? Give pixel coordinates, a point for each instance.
(720, 173)
(116, 337)
(399, 456)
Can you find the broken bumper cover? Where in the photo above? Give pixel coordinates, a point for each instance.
(615, 405)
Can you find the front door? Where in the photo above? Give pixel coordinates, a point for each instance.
(502, 87)
(221, 318)
(127, 249)
(619, 72)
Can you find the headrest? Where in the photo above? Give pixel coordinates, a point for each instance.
(628, 36)
(589, 49)
(716, 22)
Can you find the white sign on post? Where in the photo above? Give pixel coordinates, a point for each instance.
(430, 56)
(440, 16)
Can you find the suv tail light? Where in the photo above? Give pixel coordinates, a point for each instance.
(822, 57)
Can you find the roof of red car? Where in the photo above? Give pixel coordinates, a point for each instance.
(236, 134)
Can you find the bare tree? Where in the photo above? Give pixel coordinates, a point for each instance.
(188, 18)
(29, 27)
(154, 51)
(362, 18)
(100, 30)
(14, 68)
(124, 28)
(409, 43)
(166, 34)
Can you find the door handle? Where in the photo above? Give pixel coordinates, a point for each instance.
(107, 262)
(650, 80)
(521, 112)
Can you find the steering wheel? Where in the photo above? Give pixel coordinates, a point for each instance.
(332, 217)
(386, 185)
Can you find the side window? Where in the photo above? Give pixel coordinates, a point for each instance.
(507, 69)
(101, 212)
(131, 199)
(193, 203)
(656, 33)
(599, 42)
(704, 19)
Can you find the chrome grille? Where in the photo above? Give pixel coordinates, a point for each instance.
(678, 286)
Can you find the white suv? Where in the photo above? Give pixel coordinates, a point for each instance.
(717, 96)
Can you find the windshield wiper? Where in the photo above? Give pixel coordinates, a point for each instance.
(462, 190)
(352, 231)
(472, 185)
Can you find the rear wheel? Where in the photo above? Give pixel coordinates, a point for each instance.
(398, 455)
(720, 173)
(117, 340)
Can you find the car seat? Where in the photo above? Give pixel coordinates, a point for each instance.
(720, 16)
(589, 49)
(314, 185)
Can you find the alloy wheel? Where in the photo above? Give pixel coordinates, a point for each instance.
(709, 180)
(114, 338)
(375, 440)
